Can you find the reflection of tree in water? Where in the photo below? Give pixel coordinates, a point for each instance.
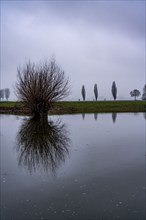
(83, 116)
(42, 144)
(95, 116)
(136, 113)
(114, 116)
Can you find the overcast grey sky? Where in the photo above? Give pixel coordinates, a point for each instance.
(93, 41)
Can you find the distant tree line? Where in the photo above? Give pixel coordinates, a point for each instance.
(134, 93)
(114, 91)
(4, 94)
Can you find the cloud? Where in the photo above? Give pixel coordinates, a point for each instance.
(95, 42)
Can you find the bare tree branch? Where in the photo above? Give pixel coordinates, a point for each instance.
(39, 85)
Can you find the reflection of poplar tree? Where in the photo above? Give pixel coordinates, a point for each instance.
(114, 116)
(83, 116)
(95, 116)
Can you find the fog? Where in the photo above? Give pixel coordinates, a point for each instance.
(93, 41)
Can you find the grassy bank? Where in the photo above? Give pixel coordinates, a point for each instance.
(99, 106)
(81, 107)
(8, 104)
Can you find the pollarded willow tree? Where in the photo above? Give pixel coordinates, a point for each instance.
(39, 85)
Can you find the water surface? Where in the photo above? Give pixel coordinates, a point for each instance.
(81, 167)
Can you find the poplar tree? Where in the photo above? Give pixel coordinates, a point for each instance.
(83, 92)
(114, 90)
(95, 91)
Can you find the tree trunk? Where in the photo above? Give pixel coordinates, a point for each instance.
(40, 111)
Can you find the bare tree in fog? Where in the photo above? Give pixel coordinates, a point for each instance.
(39, 85)
(1, 94)
(95, 92)
(7, 93)
(83, 92)
(144, 93)
(135, 93)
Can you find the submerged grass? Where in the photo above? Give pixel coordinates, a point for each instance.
(66, 107)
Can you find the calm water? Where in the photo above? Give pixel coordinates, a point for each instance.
(80, 167)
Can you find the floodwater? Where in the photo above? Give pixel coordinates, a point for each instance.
(80, 167)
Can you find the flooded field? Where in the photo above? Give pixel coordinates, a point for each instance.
(81, 167)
